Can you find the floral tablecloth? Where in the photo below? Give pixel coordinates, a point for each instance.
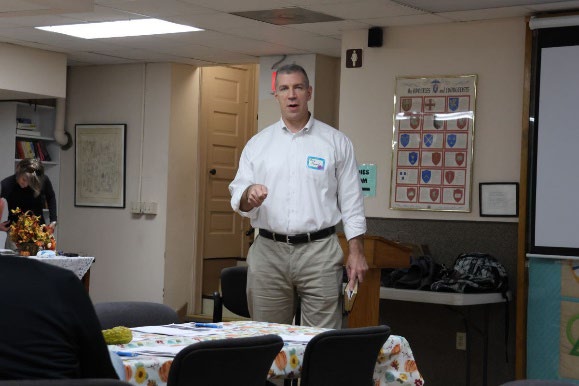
(395, 364)
(79, 265)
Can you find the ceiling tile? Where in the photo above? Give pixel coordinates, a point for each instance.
(363, 9)
(152, 8)
(466, 5)
(423, 19)
(332, 28)
(238, 6)
(485, 14)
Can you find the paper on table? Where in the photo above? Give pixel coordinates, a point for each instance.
(296, 338)
(157, 350)
(184, 329)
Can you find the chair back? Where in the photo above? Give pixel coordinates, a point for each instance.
(537, 382)
(225, 362)
(233, 293)
(134, 314)
(343, 357)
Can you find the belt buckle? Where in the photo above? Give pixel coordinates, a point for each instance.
(287, 239)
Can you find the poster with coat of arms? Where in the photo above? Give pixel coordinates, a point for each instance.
(432, 143)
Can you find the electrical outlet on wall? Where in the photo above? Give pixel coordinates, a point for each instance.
(461, 340)
(135, 207)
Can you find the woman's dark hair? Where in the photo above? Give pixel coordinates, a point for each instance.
(34, 172)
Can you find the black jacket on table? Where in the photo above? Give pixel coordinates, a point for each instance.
(25, 200)
(48, 327)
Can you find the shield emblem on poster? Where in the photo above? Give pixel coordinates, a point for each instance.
(413, 157)
(414, 121)
(453, 103)
(406, 104)
(426, 175)
(449, 176)
(457, 195)
(451, 140)
(434, 194)
(428, 140)
(461, 123)
(459, 158)
(404, 140)
(437, 124)
(411, 193)
(436, 158)
(435, 83)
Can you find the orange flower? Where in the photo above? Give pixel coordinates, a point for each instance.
(128, 372)
(395, 350)
(281, 360)
(164, 371)
(410, 366)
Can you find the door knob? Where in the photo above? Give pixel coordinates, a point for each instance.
(212, 172)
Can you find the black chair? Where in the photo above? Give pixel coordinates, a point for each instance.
(134, 314)
(65, 382)
(537, 382)
(233, 295)
(225, 362)
(359, 348)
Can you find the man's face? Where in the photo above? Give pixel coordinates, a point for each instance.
(293, 95)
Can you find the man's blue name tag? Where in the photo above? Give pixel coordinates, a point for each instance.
(316, 163)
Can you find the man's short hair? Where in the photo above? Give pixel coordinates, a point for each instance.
(292, 69)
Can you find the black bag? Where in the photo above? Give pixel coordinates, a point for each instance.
(419, 276)
(472, 273)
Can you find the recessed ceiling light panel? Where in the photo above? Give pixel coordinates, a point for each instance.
(287, 16)
(115, 29)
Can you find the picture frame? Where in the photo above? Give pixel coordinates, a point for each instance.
(100, 162)
(432, 143)
(499, 199)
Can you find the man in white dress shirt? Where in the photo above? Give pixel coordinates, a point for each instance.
(296, 180)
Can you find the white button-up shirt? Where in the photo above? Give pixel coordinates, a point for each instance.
(311, 177)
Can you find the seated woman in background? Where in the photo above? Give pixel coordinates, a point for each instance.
(49, 328)
(28, 189)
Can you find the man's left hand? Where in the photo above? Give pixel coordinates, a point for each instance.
(356, 266)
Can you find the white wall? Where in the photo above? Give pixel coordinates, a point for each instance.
(494, 50)
(129, 249)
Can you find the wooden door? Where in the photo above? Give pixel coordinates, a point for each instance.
(228, 119)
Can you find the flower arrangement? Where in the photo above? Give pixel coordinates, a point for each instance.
(29, 229)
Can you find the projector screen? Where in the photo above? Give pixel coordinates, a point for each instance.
(554, 136)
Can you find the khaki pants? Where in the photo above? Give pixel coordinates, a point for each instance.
(279, 272)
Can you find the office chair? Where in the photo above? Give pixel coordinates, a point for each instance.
(65, 382)
(234, 296)
(134, 314)
(225, 362)
(537, 382)
(358, 348)
(233, 293)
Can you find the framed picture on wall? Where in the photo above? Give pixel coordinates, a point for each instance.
(99, 162)
(499, 199)
(432, 143)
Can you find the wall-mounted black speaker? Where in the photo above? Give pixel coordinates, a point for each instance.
(375, 37)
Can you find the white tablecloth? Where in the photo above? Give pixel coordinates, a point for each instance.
(79, 265)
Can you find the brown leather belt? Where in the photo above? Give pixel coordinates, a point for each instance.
(299, 238)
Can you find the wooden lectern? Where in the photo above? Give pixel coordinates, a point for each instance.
(380, 253)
